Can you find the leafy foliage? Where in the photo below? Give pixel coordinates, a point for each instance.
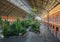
(22, 30)
(19, 26)
(6, 27)
(1, 21)
(35, 26)
(13, 29)
(26, 23)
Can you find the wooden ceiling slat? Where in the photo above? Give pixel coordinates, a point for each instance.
(44, 4)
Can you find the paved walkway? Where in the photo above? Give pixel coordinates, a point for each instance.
(44, 36)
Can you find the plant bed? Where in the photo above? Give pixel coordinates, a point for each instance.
(23, 35)
(13, 29)
(35, 27)
(26, 23)
(22, 30)
(37, 32)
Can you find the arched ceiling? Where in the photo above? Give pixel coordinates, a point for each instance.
(43, 6)
(7, 8)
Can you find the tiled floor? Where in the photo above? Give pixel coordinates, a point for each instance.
(44, 36)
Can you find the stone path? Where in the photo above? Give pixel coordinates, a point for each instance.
(44, 36)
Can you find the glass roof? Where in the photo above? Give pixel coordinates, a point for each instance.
(22, 4)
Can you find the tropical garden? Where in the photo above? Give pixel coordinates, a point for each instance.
(18, 28)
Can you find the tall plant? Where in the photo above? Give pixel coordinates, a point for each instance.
(1, 21)
(6, 26)
(15, 27)
(35, 26)
(17, 24)
(26, 23)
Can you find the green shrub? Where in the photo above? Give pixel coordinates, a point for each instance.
(35, 26)
(13, 29)
(26, 23)
(1, 22)
(22, 30)
(6, 26)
